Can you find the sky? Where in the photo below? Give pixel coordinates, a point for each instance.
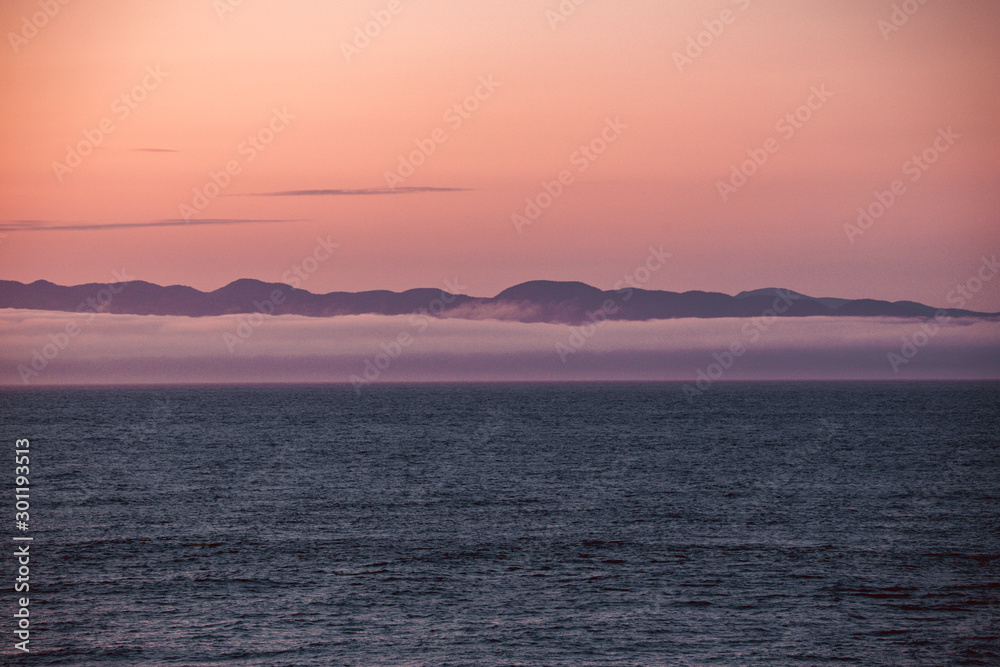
(197, 142)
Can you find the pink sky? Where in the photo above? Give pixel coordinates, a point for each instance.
(680, 131)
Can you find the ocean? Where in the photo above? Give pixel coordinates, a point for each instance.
(509, 524)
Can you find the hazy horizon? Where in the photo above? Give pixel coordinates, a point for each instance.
(368, 349)
(717, 146)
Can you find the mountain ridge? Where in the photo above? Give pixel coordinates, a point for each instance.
(568, 302)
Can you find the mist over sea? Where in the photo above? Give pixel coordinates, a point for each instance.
(502, 524)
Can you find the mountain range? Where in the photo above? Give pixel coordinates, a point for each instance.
(534, 301)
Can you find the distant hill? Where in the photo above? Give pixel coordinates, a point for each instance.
(534, 301)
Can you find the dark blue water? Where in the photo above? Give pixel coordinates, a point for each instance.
(767, 524)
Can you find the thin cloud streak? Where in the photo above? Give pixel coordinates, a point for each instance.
(344, 192)
(60, 226)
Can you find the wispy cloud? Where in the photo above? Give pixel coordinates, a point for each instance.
(343, 192)
(59, 225)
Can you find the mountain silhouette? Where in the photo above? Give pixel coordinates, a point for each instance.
(533, 301)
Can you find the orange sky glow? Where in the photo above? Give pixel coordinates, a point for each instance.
(120, 113)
